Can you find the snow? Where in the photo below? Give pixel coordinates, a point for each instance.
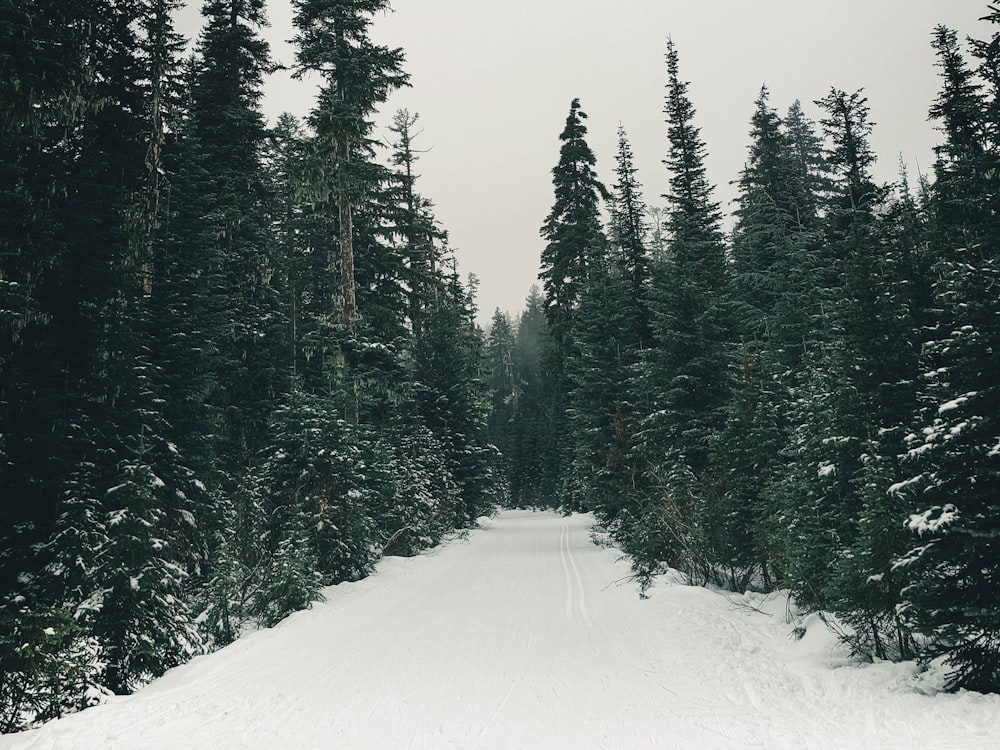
(526, 635)
(900, 487)
(957, 402)
(933, 520)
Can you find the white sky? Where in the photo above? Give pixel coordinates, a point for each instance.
(492, 83)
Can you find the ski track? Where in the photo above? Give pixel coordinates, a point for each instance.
(527, 636)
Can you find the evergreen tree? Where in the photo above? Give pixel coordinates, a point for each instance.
(952, 563)
(333, 40)
(574, 238)
(855, 403)
(572, 230)
(612, 332)
(607, 350)
(415, 223)
(220, 334)
(246, 327)
(775, 251)
(685, 382)
(105, 452)
(533, 479)
(505, 391)
(453, 401)
(629, 232)
(960, 203)
(776, 227)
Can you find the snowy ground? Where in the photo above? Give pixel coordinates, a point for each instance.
(527, 636)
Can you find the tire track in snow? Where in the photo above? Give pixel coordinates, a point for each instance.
(576, 594)
(580, 590)
(563, 546)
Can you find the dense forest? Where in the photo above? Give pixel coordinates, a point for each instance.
(238, 363)
(810, 401)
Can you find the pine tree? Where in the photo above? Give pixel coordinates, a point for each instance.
(46, 97)
(955, 462)
(229, 132)
(613, 329)
(574, 238)
(775, 250)
(219, 335)
(572, 230)
(333, 40)
(414, 222)
(959, 202)
(629, 232)
(855, 402)
(505, 391)
(607, 349)
(533, 478)
(685, 383)
(107, 455)
(421, 501)
(453, 401)
(776, 229)
(292, 579)
(301, 233)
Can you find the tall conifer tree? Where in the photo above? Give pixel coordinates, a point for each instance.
(574, 239)
(572, 230)
(955, 454)
(685, 383)
(358, 75)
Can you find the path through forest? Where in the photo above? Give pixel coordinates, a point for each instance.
(527, 635)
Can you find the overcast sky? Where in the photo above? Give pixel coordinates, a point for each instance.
(493, 82)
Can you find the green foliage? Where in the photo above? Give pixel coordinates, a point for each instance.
(224, 605)
(609, 331)
(290, 579)
(48, 666)
(572, 230)
(421, 500)
(683, 382)
(952, 458)
(453, 402)
(525, 407)
(191, 441)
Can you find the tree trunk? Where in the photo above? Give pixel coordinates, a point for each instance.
(350, 310)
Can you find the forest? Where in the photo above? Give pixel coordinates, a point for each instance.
(238, 363)
(808, 402)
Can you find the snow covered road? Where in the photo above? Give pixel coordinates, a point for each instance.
(527, 636)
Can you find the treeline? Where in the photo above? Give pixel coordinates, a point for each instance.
(812, 402)
(237, 363)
